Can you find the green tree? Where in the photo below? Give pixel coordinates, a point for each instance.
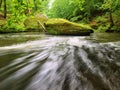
(63, 9)
(0, 3)
(92, 7)
(5, 9)
(111, 6)
(35, 5)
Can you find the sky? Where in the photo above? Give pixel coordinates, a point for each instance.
(50, 3)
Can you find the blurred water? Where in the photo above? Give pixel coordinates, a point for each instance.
(61, 63)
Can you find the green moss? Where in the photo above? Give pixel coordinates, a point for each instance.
(53, 32)
(59, 21)
(14, 27)
(35, 22)
(2, 22)
(62, 26)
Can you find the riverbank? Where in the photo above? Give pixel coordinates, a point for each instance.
(38, 23)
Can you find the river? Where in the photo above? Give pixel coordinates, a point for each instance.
(32, 61)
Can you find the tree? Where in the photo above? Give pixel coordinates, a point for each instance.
(63, 9)
(91, 7)
(0, 3)
(88, 9)
(5, 9)
(111, 6)
(35, 5)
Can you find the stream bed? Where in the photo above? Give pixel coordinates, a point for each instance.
(33, 61)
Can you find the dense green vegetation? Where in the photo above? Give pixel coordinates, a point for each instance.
(101, 15)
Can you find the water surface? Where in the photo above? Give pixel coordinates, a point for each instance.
(60, 62)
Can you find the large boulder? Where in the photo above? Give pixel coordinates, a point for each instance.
(65, 27)
(35, 22)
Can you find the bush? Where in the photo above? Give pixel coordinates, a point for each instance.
(62, 9)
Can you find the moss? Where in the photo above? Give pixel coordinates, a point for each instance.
(12, 28)
(34, 22)
(65, 27)
(2, 22)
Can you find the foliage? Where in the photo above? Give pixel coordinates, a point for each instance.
(78, 3)
(74, 10)
(109, 4)
(67, 11)
(18, 11)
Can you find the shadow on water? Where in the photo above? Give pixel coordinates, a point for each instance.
(61, 63)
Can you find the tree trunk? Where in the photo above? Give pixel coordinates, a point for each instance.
(28, 9)
(5, 9)
(0, 3)
(35, 5)
(111, 19)
(88, 10)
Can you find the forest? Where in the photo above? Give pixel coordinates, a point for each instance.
(23, 15)
(59, 44)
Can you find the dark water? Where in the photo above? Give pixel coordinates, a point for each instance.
(14, 38)
(60, 62)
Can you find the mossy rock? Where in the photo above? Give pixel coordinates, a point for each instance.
(2, 22)
(35, 22)
(64, 27)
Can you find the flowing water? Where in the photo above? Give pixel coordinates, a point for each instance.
(60, 62)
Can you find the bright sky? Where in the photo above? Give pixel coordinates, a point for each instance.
(50, 4)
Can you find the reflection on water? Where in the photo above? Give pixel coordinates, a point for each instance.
(60, 63)
(106, 37)
(10, 39)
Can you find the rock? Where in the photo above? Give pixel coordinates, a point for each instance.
(2, 22)
(36, 22)
(65, 27)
